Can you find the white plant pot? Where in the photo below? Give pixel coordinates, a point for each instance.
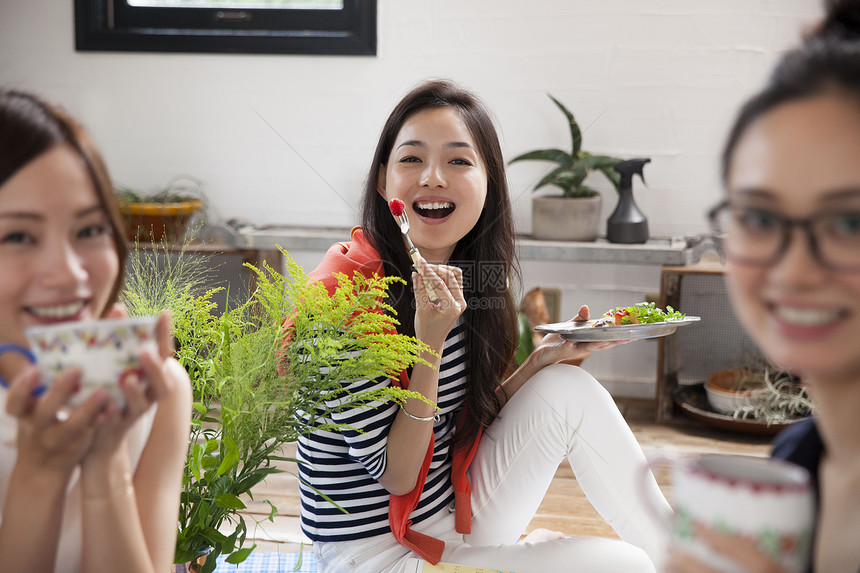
(565, 218)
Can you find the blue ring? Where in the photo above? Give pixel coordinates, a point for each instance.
(26, 353)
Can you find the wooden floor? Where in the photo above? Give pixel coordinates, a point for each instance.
(564, 508)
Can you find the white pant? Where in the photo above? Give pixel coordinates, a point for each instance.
(560, 412)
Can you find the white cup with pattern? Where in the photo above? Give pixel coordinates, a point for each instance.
(105, 351)
(767, 500)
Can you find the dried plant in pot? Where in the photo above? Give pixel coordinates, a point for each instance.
(759, 392)
(162, 213)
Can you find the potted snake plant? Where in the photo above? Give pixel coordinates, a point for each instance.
(574, 214)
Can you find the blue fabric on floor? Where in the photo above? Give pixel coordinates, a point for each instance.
(271, 563)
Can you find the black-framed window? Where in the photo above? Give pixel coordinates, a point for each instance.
(227, 26)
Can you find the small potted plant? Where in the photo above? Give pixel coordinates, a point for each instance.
(575, 214)
(759, 392)
(162, 213)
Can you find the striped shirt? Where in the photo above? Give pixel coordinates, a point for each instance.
(346, 465)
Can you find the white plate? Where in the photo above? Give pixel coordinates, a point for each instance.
(586, 331)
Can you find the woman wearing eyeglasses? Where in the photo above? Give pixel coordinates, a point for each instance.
(790, 231)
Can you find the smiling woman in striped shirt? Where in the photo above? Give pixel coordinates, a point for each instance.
(461, 483)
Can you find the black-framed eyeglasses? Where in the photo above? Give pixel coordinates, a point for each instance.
(756, 236)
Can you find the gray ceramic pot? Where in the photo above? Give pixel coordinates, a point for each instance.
(566, 219)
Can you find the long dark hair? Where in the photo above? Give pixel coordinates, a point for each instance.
(828, 61)
(487, 251)
(30, 127)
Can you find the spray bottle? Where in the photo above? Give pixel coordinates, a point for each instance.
(627, 224)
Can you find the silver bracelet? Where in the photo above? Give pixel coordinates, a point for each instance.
(434, 417)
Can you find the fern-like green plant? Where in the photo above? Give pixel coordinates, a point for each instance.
(574, 166)
(260, 381)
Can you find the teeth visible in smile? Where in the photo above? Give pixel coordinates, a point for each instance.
(444, 205)
(806, 316)
(59, 311)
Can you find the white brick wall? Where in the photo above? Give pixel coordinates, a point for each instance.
(659, 78)
(651, 77)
